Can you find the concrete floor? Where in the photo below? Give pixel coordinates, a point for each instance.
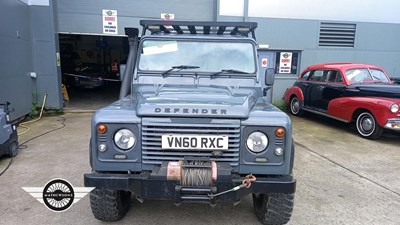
(92, 99)
(342, 179)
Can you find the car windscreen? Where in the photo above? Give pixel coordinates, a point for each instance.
(361, 75)
(208, 56)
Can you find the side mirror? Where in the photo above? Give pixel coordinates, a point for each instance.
(269, 77)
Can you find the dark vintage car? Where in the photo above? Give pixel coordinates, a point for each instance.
(86, 75)
(348, 92)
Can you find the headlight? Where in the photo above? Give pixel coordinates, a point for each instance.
(257, 142)
(124, 139)
(394, 108)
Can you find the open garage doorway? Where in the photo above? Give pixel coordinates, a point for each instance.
(90, 68)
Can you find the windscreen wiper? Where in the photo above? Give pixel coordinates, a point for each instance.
(228, 71)
(179, 68)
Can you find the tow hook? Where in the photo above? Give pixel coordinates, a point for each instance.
(246, 183)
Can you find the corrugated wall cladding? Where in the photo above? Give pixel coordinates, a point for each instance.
(79, 16)
(16, 59)
(337, 35)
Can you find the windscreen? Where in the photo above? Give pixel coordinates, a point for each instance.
(208, 56)
(364, 75)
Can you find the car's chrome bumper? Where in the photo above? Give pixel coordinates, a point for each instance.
(393, 124)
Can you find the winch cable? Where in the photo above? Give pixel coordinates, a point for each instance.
(246, 183)
(197, 176)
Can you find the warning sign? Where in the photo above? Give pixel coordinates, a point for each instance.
(285, 63)
(110, 23)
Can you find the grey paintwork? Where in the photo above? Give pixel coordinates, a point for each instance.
(188, 99)
(123, 114)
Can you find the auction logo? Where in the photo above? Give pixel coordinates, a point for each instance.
(58, 195)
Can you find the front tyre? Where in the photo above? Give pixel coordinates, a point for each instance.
(273, 208)
(109, 205)
(295, 107)
(13, 149)
(367, 126)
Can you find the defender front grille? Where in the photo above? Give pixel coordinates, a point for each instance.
(154, 128)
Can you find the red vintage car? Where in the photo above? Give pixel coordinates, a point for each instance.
(348, 92)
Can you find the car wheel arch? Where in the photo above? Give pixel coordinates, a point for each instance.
(357, 112)
(300, 105)
(299, 98)
(377, 130)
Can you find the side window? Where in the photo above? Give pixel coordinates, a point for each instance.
(334, 76)
(305, 76)
(339, 77)
(317, 76)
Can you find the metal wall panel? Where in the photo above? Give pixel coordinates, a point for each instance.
(45, 45)
(85, 16)
(15, 59)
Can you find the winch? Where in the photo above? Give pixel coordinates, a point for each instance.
(193, 173)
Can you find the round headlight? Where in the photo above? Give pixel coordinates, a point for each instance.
(394, 108)
(124, 139)
(257, 142)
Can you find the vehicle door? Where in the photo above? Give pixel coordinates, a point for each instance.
(334, 87)
(265, 61)
(314, 88)
(303, 83)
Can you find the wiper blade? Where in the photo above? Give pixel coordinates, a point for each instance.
(228, 71)
(179, 68)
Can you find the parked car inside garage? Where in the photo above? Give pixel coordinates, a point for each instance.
(87, 75)
(348, 92)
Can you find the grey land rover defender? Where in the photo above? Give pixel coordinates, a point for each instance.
(194, 123)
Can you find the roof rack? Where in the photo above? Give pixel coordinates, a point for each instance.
(199, 27)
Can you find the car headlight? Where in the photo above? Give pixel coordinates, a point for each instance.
(394, 108)
(257, 142)
(124, 139)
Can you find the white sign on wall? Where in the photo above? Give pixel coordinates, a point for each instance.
(264, 62)
(110, 22)
(285, 62)
(167, 17)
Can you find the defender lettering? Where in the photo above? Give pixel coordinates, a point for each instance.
(191, 111)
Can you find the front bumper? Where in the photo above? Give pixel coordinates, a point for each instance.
(155, 185)
(393, 124)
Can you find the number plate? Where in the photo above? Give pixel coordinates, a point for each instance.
(213, 142)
